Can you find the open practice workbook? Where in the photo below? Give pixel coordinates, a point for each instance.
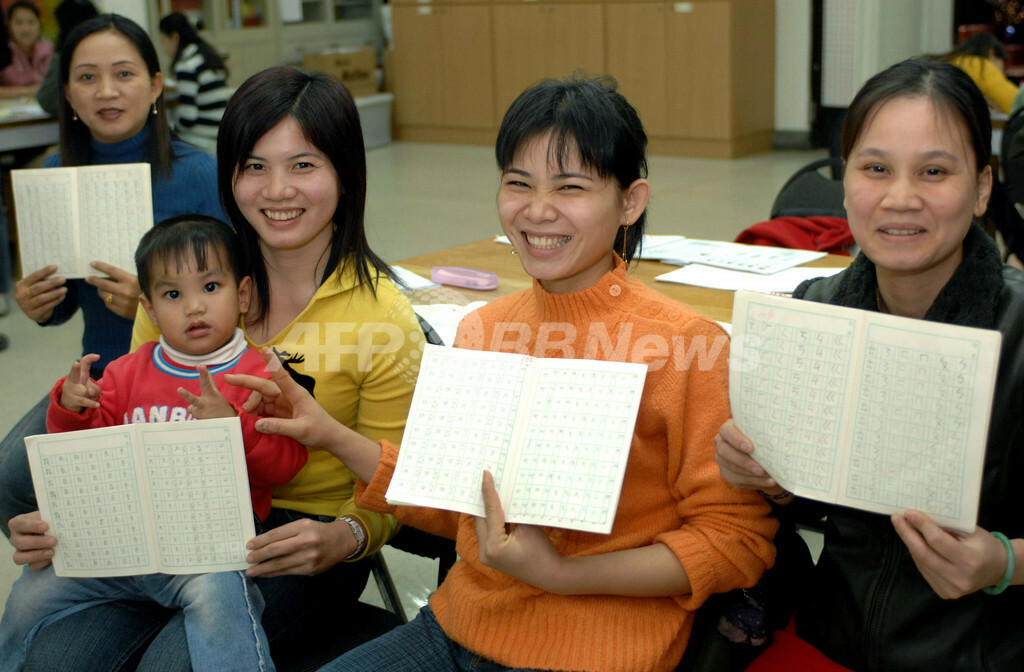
(864, 409)
(169, 497)
(73, 216)
(554, 433)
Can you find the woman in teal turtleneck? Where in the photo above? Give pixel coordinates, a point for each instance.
(113, 112)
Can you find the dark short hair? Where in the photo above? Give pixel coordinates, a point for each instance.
(22, 4)
(184, 239)
(948, 87)
(69, 14)
(75, 137)
(588, 115)
(326, 115)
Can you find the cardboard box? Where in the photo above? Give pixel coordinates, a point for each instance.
(357, 70)
(375, 118)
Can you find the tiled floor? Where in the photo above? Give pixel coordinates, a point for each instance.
(424, 198)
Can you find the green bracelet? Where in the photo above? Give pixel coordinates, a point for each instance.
(1011, 564)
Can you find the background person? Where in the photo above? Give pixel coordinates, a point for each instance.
(113, 113)
(30, 53)
(69, 13)
(983, 57)
(201, 80)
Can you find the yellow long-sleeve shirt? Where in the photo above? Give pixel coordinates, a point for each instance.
(999, 90)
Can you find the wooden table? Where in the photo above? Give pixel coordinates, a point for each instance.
(498, 258)
(24, 125)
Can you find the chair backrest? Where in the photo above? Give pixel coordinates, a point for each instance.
(1008, 192)
(810, 193)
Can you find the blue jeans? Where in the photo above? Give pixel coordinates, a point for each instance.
(221, 612)
(418, 646)
(17, 495)
(301, 613)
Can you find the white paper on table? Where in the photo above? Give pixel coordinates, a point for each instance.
(413, 280)
(735, 256)
(445, 317)
(785, 281)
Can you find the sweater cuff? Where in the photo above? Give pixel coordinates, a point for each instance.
(372, 495)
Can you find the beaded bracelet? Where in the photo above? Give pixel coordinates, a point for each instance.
(1011, 564)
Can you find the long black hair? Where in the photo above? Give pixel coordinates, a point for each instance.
(176, 22)
(75, 137)
(324, 111)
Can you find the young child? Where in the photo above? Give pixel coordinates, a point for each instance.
(188, 268)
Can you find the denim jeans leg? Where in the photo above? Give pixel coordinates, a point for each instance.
(17, 495)
(418, 646)
(295, 605)
(222, 619)
(39, 598)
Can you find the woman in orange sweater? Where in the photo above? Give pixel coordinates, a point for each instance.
(573, 193)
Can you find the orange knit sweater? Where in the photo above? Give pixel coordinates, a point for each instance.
(672, 492)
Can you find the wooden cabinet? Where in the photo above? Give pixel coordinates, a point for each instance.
(700, 73)
(444, 66)
(537, 40)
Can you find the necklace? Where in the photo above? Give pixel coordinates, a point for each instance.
(880, 302)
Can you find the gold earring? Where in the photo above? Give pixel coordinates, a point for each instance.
(154, 108)
(625, 232)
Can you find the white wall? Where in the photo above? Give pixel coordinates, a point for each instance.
(134, 9)
(792, 65)
(888, 31)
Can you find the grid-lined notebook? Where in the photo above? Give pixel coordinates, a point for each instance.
(864, 409)
(554, 433)
(73, 216)
(169, 497)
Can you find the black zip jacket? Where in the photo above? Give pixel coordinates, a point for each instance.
(870, 609)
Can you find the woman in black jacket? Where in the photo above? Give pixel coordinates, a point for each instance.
(900, 592)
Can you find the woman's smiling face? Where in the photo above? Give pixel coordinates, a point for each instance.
(562, 220)
(109, 86)
(288, 190)
(913, 188)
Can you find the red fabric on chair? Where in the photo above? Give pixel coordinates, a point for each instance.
(788, 653)
(824, 234)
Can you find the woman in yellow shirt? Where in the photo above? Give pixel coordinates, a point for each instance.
(983, 57)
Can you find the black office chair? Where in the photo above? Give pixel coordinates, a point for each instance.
(417, 542)
(811, 193)
(1003, 215)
